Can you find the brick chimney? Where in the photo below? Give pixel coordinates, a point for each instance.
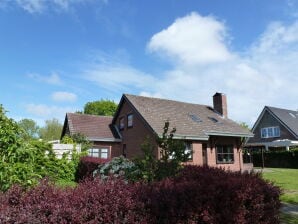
(220, 104)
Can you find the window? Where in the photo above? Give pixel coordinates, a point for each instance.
(129, 120)
(121, 123)
(188, 149)
(270, 132)
(104, 153)
(94, 152)
(224, 154)
(99, 153)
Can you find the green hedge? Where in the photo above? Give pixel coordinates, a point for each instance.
(277, 159)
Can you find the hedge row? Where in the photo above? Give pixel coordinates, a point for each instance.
(196, 195)
(277, 159)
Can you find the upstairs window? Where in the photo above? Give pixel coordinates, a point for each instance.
(224, 154)
(129, 120)
(270, 132)
(121, 123)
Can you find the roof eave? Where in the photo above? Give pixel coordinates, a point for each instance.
(104, 139)
(230, 134)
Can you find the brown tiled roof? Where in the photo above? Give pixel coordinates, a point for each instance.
(92, 126)
(192, 121)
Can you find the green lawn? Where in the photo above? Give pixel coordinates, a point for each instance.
(287, 179)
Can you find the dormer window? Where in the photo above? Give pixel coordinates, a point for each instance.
(129, 120)
(121, 123)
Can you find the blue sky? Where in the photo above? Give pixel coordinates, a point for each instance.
(56, 55)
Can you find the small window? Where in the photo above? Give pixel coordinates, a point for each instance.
(224, 154)
(188, 149)
(270, 132)
(104, 153)
(99, 153)
(129, 120)
(94, 152)
(195, 118)
(121, 123)
(213, 119)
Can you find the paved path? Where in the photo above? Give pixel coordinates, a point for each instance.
(289, 209)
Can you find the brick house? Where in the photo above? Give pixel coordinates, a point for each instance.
(97, 130)
(214, 139)
(274, 128)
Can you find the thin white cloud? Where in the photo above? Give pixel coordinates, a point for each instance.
(118, 77)
(53, 79)
(31, 6)
(265, 74)
(45, 112)
(64, 97)
(41, 6)
(193, 39)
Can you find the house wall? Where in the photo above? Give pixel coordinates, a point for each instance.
(269, 121)
(133, 137)
(197, 154)
(237, 165)
(112, 146)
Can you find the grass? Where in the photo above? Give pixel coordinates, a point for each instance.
(288, 219)
(64, 183)
(287, 179)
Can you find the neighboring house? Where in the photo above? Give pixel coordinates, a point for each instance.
(97, 130)
(275, 127)
(214, 139)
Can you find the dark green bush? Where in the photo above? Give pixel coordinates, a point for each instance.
(277, 159)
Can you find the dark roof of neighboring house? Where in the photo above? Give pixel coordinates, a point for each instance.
(289, 118)
(95, 128)
(192, 121)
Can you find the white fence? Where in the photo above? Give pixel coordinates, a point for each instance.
(60, 149)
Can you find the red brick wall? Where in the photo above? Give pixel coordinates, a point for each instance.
(133, 136)
(237, 165)
(197, 154)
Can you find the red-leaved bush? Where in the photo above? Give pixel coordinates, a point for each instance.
(93, 201)
(195, 195)
(87, 165)
(211, 195)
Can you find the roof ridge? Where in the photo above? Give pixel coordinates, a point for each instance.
(171, 100)
(94, 115)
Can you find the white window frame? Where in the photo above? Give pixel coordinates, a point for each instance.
(102, 153)
(270, 132)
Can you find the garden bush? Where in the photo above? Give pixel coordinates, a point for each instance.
(87, 166)
(195, 195)
(92, 201)
(211, 195)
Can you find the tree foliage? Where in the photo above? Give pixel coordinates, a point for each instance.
(24, 162)
(51, 130)
(172, 155)
(100, 107)
(30, 128)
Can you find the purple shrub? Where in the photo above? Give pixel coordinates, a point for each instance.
(87, 165)
(195, 195)
(93, 201)
(211, 195)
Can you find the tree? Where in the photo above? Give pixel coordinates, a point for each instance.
(100, 107)
(51, 130)
(30, 128)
